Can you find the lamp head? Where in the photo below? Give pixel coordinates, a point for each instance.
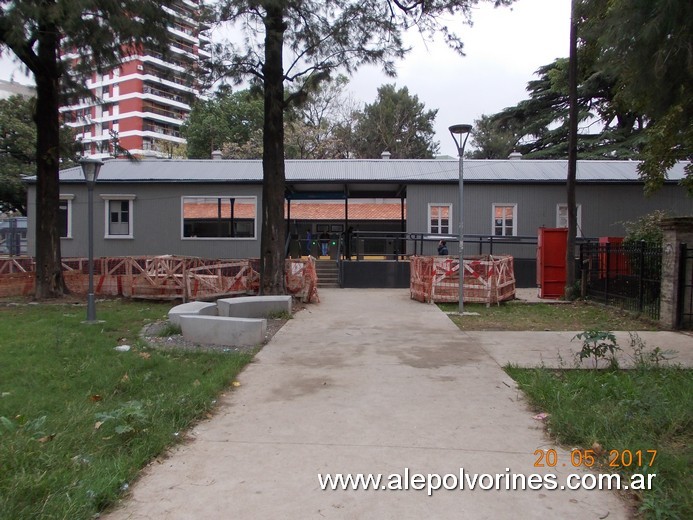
(90, 169)
(457, 131)
(460, 129)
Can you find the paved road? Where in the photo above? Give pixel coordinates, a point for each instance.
(367, 381)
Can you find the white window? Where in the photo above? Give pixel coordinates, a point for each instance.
(562, 217)
(504, 222)
(214, 217)
(65, 216)
(119, 218)
(439, 218)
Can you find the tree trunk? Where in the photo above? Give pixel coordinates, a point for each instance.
(572, 157)
(49, 276)
(273, 185)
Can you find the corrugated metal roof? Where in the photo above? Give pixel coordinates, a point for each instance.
(375, 170)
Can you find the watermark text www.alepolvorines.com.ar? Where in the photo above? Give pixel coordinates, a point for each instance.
(463, 481)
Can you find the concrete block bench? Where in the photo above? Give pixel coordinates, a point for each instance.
(219, 330)
(191, 309)
(254, 306)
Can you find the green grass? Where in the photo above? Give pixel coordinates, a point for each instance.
(576, 316)
(647, 408)
(60, 378)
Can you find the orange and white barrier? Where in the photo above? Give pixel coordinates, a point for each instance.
(487, 279)
(161, 277)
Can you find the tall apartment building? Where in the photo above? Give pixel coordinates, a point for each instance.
(148, 97)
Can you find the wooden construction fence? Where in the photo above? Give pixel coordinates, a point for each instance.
(160, 277)
(487, 279)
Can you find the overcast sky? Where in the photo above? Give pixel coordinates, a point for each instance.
(503, 49)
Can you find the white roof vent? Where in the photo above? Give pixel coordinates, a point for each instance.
(216, 155)
(515, 156)
(385, 155)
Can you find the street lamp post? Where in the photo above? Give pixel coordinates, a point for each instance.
(90, 169)
(457, 131)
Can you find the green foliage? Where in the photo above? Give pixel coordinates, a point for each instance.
(281, 315)
(78, 419)
(34, 428)
(397, 122)
(294, 47)
(38, 33)
(170, 329)
(490, 140)
(128, 418)
(229, 121)
(635, 65)
(646, 228)
(669, 140)
(577, 315)
(18, 150)
(648, 408)
(320, 126)
(538, 127)
(598, 345)
(645, 44)
(645, 357)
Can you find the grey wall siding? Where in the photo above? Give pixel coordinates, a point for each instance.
(604, 208)
(419, 196)
(157, 214)
(156, 220)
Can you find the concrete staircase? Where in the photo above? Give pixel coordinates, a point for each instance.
(328, 273)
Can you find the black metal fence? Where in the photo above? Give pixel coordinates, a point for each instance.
(626, 276)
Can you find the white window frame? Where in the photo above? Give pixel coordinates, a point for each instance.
(428, 219)
(495, 205)
(68, 197)
(559, 217)
(108, 198)
(182, 217)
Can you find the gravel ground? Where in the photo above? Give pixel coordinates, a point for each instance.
(152, 334)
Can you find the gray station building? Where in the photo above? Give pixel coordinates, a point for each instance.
(212, 208)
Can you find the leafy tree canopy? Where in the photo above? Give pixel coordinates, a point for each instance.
(18, 151)
(41, 33)
(294, 46)
(538, 127)
(646, 45)
(635, 74)
(230, 122)
(321, 125)
(397, 122)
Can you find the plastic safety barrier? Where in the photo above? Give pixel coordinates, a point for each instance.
(487, 279)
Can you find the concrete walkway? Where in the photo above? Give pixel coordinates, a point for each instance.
(367, 381)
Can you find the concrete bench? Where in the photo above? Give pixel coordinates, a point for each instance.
(191, 309)
(220, 330)
(254, 306)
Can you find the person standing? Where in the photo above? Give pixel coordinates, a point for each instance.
(442, 248)
(309, 239)
(324, 242)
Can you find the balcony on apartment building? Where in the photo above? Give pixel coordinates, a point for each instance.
(157, 73)
(153, 108)
(157, 128)
(166, 94)
(181, 60)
